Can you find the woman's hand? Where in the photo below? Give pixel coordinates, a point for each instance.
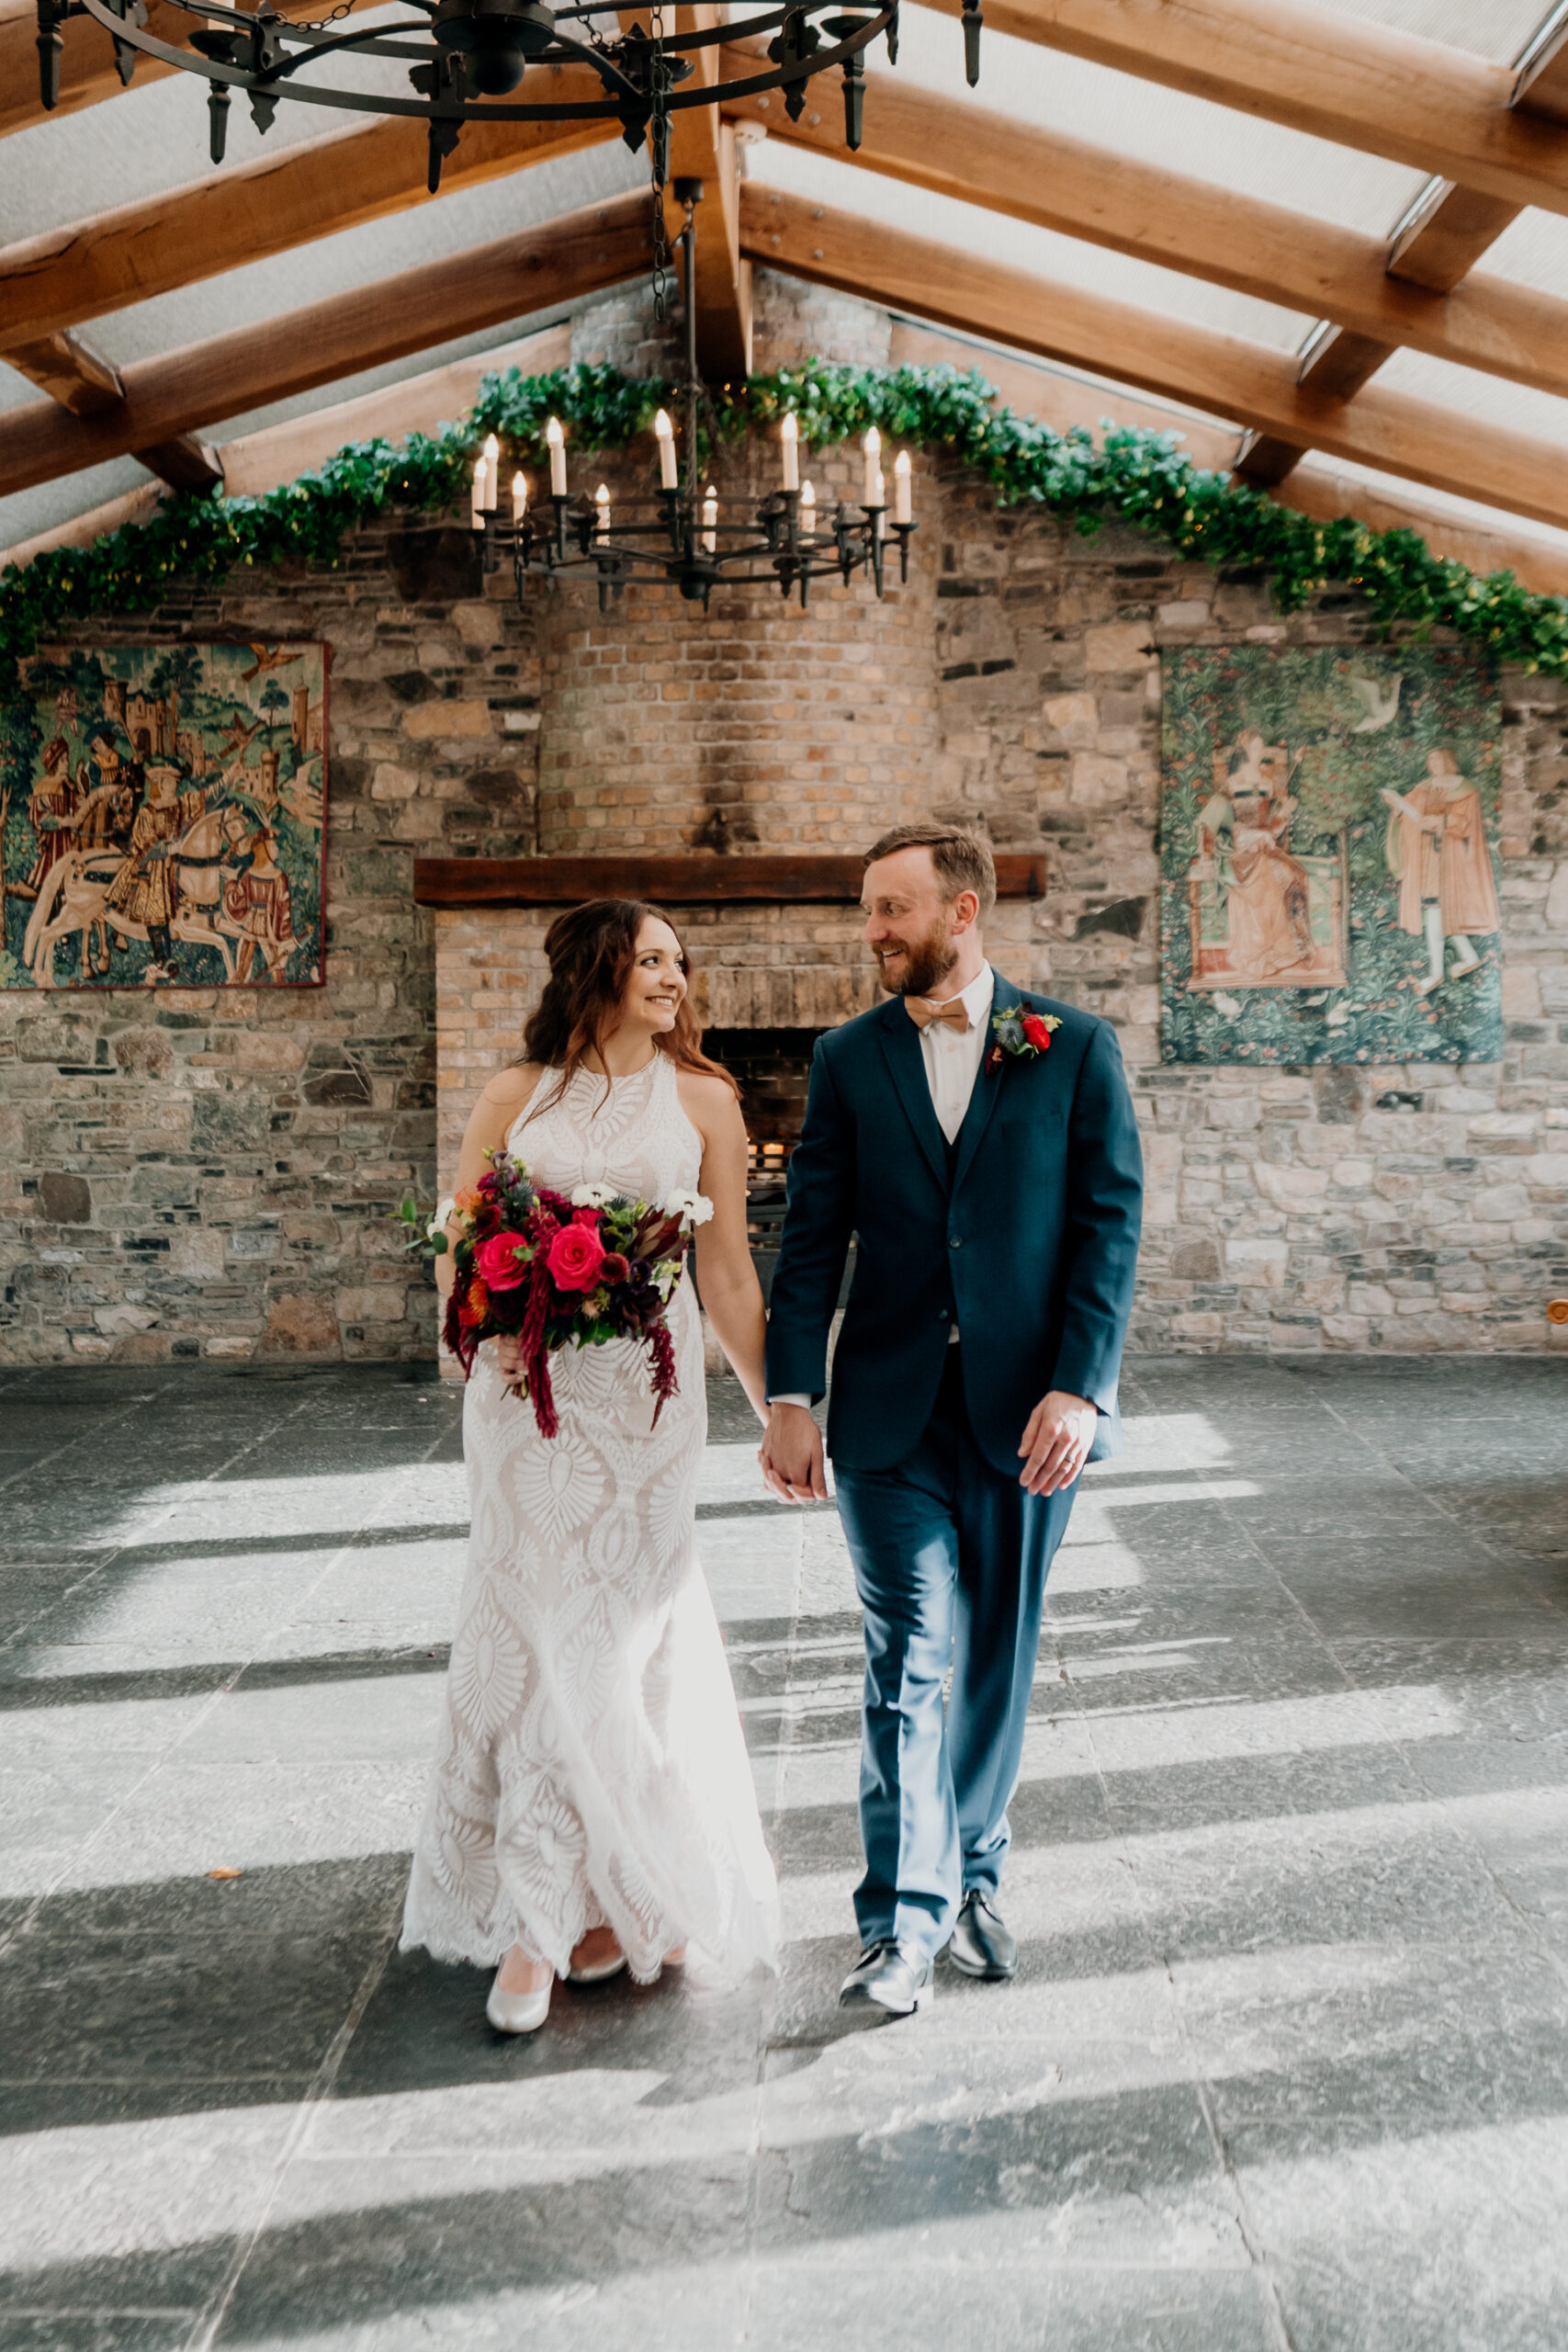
(509, 1356)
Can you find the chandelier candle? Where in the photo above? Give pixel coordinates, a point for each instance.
(903, 510)
(555, 441)
(807, 511)
(601, 509)
(789, 435)
(519, 497)
(880, 503)
(664, 434)
(871, 444)
(493, 473)
(710, 519)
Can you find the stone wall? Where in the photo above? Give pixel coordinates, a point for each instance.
(214, 1172)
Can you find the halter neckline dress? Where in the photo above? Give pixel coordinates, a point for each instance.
(590, 1770)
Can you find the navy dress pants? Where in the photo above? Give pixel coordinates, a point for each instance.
(951, 1557)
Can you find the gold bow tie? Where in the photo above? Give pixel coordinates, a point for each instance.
(922, 1012)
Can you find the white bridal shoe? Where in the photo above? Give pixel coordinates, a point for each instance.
(600, 1974)
(517, 2012)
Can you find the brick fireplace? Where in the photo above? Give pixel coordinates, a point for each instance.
(775, 947)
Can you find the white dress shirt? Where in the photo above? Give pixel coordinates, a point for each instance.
(952, 1059)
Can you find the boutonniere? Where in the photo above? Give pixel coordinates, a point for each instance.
(1023, 1036)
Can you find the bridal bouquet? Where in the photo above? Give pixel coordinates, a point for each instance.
(552, 1272)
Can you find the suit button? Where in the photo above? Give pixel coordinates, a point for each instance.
(955, 1241)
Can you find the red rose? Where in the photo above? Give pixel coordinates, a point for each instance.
(614, 1268)
(496, 1262)
(575, 1256)
(586, 1216)
(1034, 1029)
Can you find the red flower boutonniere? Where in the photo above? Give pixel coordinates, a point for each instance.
(1022, 1036)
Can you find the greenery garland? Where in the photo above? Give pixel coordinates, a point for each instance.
(1138, 475)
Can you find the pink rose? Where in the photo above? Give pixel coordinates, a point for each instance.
(575, 1256)
(1034, 1029)
(495, 1261)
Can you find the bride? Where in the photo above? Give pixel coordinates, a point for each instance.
(591, 1807)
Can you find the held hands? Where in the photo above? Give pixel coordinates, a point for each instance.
(1056, 1443)
(791, 1456)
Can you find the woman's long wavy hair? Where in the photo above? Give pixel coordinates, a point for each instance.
(591, 953)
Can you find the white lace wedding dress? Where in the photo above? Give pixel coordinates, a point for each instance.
(591, 1771)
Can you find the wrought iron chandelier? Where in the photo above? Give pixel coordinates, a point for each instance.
(683, 538)
(464, 56)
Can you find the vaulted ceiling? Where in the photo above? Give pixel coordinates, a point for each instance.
(1333, 241)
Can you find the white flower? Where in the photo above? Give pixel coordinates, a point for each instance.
(437, 1225)
(692, 1208)
(594, 1196)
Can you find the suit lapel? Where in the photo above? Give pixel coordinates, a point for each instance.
(988, 1087)
(901, 1043)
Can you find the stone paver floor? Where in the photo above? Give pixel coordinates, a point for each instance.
(1286, 2064)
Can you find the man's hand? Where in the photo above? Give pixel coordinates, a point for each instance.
(791, 1456)
(1056, 1443)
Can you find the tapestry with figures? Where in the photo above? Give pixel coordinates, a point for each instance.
(1329, 830)
(161, 813)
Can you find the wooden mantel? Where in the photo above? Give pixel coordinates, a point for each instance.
(676, 881)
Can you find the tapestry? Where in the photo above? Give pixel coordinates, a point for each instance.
(1328, 837)
(161, 817)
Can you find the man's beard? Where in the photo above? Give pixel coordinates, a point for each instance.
(927, 963)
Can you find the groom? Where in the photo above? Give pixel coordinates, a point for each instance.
(994, 1195)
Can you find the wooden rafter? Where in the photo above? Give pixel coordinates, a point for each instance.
(701, 147)
(87, 71)
(1224, 374)
(1335, 75)
(183, 390)
(1061, 401)
(1264, 250)
(1435, 248)
(82, 381)
(286, 197)
(255, 462)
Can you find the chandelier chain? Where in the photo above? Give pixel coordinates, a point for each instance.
(657, 159)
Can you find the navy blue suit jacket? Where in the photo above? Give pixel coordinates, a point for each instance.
(1033, 1250)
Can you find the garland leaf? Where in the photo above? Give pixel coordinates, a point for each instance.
(1140, 476)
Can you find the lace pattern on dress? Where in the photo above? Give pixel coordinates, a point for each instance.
(590, 1770)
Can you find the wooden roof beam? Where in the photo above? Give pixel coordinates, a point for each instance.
(82, 380)
(1435, 246)
(1335, 76)
(183, 390)
(87, 70)
(250, 211)
(1061, 401)
(1224, 374)
(701, 147)
(1181, 223)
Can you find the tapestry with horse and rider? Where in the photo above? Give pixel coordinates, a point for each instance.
(162, 816)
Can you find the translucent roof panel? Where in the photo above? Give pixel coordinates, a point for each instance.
(154, 137)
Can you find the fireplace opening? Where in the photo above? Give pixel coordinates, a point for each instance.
(772, 1069)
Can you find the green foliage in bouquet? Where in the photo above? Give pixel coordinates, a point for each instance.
(1139, 476)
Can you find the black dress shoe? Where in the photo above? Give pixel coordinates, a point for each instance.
(890, 1976)
(981, 1946)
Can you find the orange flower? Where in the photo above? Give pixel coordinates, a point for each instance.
(469, 1200)
(476, 1307)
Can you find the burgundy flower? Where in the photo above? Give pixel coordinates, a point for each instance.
(614, 1268)
(575, 1256)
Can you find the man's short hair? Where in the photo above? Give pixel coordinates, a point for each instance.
(962, 861)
